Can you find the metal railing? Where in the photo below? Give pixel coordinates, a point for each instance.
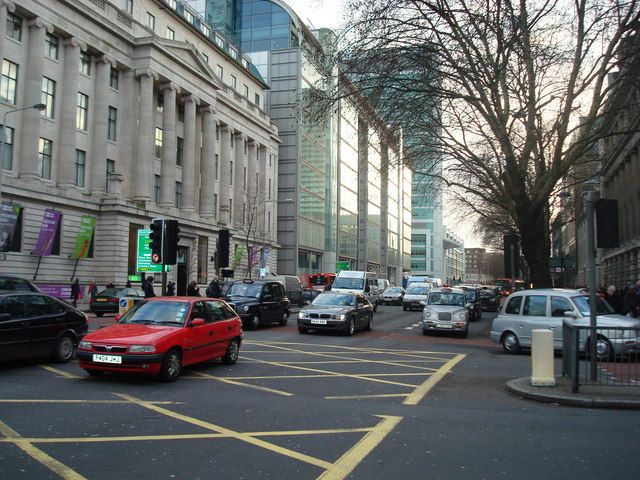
(617, 356)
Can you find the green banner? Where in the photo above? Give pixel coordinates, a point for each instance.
(143, 262)
(85, 234)
(237, 256)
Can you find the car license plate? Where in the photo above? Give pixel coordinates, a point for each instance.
(444, 325)
(318, 322)
(107, 358)
(101, 299)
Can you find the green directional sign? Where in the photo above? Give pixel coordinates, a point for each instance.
(143, 262)
(342, 265)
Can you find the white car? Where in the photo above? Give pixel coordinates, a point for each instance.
(527, 310)
(445, 311)
(415, 295)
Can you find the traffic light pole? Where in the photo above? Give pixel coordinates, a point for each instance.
(164, 279)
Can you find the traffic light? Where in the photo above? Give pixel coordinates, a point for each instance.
(223, 248)
(157, 237)
(171, 239)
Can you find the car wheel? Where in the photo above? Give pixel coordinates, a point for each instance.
(604, 349)
(99, 314)
(284, 319)
(171, 366)
(425, 332)
(404, 308)
(231, 355)
(302, 330)
(510, 343)
(381, 302)
(465, 333)
(254, 322)
(64, 349)
(351, 328)
(369, 325)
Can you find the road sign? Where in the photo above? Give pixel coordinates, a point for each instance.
(143, 262)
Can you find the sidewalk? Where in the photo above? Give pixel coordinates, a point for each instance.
(589, 396)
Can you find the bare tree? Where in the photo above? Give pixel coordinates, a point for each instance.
(488, 94)
(252, 229)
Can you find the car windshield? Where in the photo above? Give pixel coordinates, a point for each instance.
(157, 313)
(470, 295)
(446, 298)
(333, 300)
(582, 302)
(392, 290)
(345, 282)
(417, 290)
(242, 289)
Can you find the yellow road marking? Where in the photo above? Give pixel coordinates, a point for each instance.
(336, 374)
(62, 373)
(237, 435)
(350, 460)
(31, 400)
(232, 382)
(268, 377)
(419, 393)
(37, 454)
(356, 397)
(345, 347)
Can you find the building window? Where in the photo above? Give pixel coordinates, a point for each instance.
(173, 4)
(268, 222)
(189, 16)
(181, 113)
(159, 103)
(14, 26)
(215, 204)
(51, 46)
(44, 157)
(257, 99)
(233, 82)
(231, 172)
(81, 157)
(128, 6)
(232, 140)
(85, 63)
(158, 142)
(206, 57)
(270, 159)
(230, 209)
(82, 111)
(156, 189)
(206, 30)
(215, 166)
(219, 71)
(246, 146)
(151, 21)
(246, 91)
(179, 150)
(219, 41)
(171, 35)
(244, 178)
(48, 96)
(111, 168)
(178, 194)
(244, 212)
(9, 81)
(8, 148)
(114, 78)
(217, 132)
(269, 190)
(111, 129)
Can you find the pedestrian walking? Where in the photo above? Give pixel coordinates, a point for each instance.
(93, 289)
(614, 297)
(630, 301)
(128, 285)
(171, 289)
(213, 290)
(75, 292)
(111, 285)
(147, 287)
(193, 290)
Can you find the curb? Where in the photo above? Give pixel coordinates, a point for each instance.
(523, 388)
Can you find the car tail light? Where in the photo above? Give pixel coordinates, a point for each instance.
(112, 300)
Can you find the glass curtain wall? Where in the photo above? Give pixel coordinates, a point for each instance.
(348, 182)
(374, 180)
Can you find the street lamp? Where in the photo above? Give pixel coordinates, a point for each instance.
(38, 106)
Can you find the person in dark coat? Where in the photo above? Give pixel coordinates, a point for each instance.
(630, 301)
(75, 292)
(614, 297)
(147, 287)
(213, 290)
(193, 290)
(171, 289)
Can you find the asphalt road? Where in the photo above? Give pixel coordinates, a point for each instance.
(385, 404)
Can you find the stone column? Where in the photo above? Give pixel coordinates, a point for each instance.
(226, 189)
(189, 161)
(68, 106)
(144, 159)
(126, 153)
(28, 168)
(5, 6)
(240, 188)
(262, 188)
(98, 166)
(252, 169)
(169, 141)
(207, 162)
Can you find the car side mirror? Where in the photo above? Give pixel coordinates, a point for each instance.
(570, 313)
(196, 322)
(422, 302)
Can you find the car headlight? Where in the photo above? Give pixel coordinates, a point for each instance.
(84, 345)
(142, 348)
(302, 314)
(462, 316)
(339, 317)
(245, 308)
(427, 313)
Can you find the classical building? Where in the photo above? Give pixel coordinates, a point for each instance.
(350, 192)
(147, 112)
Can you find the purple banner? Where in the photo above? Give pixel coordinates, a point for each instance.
(265, 257)
(48, 230)
(9, 213)
(59, 291)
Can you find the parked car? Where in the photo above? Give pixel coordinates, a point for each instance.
(527, 310)
(344, 312)
(292, 288)
(445, 311)
(108, 300)
(392, 296)
(33, 324)
(415, 295)
(10, 283)
(473, 302)
(490, 299)
(259, 302)
(161, 335)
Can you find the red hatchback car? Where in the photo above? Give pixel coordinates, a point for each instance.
(161, 335)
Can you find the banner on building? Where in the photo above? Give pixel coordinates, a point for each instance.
(265, 257)
(9, 213)
(48, 230)
(85, 235)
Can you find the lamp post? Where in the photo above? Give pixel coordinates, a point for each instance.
(37, 106)
(562, 195)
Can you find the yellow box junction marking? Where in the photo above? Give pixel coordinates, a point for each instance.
(419, 393)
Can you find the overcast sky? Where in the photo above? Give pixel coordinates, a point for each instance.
(319, 13)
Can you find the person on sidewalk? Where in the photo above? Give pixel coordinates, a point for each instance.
(93, 289)
(614, 297)
(213, 290)
(171, 289)
(147, 287)
(193, 290)
(75, 292)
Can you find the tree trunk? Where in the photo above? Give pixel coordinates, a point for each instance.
(536, 246)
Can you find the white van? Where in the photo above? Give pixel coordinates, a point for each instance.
(365, 283)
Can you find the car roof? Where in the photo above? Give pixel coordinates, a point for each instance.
(447, 290)
(567, 291)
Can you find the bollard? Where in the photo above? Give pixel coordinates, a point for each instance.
(542, 362)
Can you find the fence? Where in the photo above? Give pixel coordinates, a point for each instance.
(617, 355)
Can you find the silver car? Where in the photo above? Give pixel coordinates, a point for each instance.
(547, 308)
(415, 295)
(445, 311)
(392, 295)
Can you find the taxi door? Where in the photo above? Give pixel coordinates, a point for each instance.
(14, 342)
(224, 322)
